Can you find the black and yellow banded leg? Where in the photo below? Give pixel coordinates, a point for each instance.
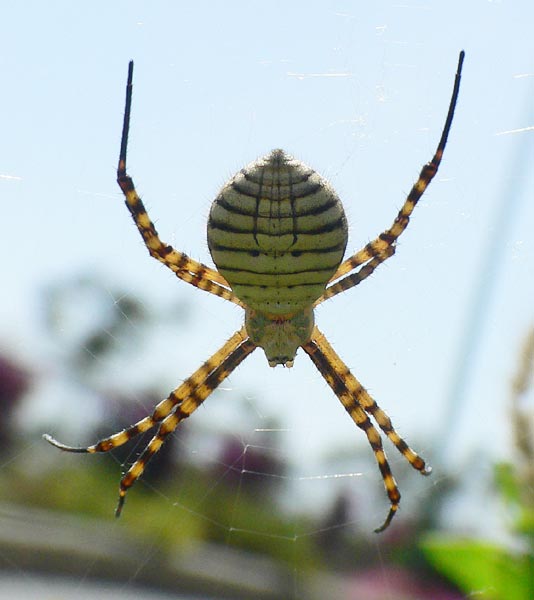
(183, 410)
(355, 278)
(368, 404)
(380, 247)
(181, 402)
(185, 268)
(358, 415)
(165, 407)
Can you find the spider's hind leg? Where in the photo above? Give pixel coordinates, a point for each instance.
(179, 405)
(357, 403)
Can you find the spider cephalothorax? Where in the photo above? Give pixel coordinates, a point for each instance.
(277, 233)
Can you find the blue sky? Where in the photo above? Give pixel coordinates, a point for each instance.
(357, 90)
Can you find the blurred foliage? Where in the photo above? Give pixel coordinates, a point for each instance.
(235, 500)
(483, 569)
(89, 319)
(491, 571)
(198, 511)
(15, 381)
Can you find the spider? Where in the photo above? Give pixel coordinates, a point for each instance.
(277, 234)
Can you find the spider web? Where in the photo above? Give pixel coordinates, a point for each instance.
(269, 490)
(264, 495)
(249, 471)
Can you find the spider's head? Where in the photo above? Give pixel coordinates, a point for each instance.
(279, 336)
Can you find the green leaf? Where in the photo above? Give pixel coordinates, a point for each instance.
(507, 483)
(481, 568)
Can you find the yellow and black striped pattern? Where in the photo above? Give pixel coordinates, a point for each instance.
(179, 405)
(277, 233)
(183, 266)
(383, 247)
(357, 403)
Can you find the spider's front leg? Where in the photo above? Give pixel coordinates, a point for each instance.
(185, 268)
(383, 247)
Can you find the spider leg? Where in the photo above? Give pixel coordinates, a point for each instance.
(357, 403)
(383, 247)
(184, 267)
(368, 404)
(163, 408)
(184, 410)
(180, 404)
(355, 278)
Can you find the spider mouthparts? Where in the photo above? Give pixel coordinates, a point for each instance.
(280, 361)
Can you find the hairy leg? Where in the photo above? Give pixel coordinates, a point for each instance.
(381, 248)
(184, 267)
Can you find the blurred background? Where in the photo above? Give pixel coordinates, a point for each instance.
(269, 490)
